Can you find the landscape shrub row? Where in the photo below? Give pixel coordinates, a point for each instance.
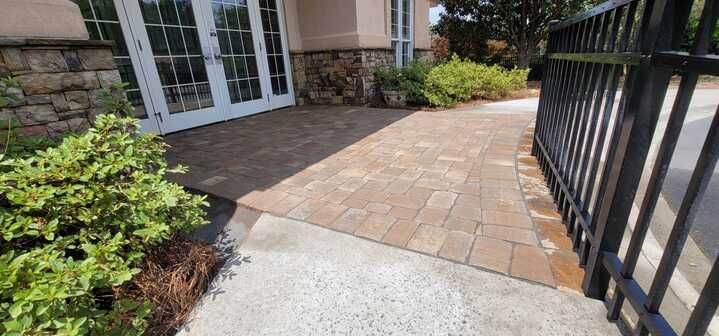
(76, 219)
(452, 82)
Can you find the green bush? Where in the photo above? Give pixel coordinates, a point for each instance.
(410, 79)
(459, 80)
(75, 220)
(452, 82)
(413, 79)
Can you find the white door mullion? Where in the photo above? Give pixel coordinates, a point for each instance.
(150, 124)
(144, 51)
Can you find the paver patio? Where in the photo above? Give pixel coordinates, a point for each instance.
(459, 185)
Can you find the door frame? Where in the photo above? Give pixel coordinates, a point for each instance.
(159, 120)
(149, 124)
(287, 99)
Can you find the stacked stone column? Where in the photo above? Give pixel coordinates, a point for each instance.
(60, 83)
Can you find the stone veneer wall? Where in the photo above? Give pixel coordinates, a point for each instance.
(341, 76)
(337, 76)
(60, 83)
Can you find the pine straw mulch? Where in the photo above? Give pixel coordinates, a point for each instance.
(173, 278)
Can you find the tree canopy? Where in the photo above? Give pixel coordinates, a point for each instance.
(468, 24)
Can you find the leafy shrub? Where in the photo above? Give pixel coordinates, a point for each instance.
(388, 79)
(409, 79)
(459, 80)
(412, 81)
(75, 221)
(452, 82)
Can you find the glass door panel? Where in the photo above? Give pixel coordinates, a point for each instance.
(177, 53)
(276, 52)
(233, 29)
(103, 23)
(181, 68)
(237, 49)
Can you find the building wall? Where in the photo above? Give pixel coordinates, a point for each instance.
(336, 45)
(60, 83)
(41, 19)
(314, 25)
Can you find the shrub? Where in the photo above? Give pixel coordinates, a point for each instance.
(388, 79)
(452, 82)
(409, 79)
(75, 221)
(458, 80)
(413, 79)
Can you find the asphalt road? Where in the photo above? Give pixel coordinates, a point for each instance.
(705, 230)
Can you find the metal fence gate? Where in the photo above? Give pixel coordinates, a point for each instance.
(593, 151)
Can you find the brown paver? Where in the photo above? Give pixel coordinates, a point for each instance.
(451, 184)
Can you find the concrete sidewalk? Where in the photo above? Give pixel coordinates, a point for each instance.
(294, 278)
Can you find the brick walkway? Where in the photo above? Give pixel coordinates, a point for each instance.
(458, 185)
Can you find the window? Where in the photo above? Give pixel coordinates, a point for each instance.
(402, 34)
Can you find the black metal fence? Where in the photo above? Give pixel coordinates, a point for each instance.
(593, 150)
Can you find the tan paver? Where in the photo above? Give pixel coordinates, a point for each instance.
(306, 209)
(327, 214)
(456, 246)
(429, 182)
(375, 226)
(460, 224)
(427, 239)
(403, 213)
(379, 208)
(531, 263)
(350, 220)
(466, 212)
(507, 219)
(400, 233)
(492, 254)
(442, 199)
(432, 216)
(522, 236)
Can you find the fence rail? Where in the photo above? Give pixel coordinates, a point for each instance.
(593, 149)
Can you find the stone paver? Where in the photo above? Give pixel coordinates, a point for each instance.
(458, 185)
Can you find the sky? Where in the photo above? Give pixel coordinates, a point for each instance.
(434, 14)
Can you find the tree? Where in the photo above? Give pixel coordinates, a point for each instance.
(522, 23)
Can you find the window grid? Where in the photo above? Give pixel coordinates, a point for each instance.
(180, 96)
(242, 86)
(273, 45)
(95, 24)
(402, 35)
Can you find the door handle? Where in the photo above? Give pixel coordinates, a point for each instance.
(217, 52)
(207, 54)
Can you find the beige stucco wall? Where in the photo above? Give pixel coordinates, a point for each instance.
(347, 24)
(421, 24)
(292, 20)
(41, 19)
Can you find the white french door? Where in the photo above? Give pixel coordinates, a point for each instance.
(204, 61)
